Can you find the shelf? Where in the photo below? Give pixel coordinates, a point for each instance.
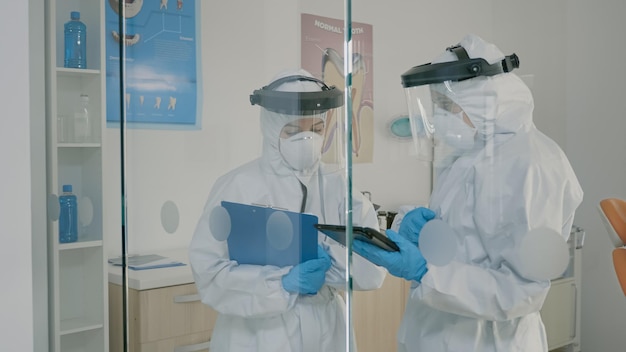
(78, 313)
(76, 325)
(80, 244)
(79, 145)
(64, 71)
(83, 340)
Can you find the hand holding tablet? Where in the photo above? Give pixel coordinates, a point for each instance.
(366, 234)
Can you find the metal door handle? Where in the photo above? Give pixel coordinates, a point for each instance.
(186, 298)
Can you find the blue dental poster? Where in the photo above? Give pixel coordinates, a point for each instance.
(161, 64)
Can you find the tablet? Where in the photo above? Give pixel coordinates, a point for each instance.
(366, 234)
(263, 235)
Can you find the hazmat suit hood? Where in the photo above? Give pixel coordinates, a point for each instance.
(499, 106)
(494, 196)
(273, 122)
(256, 312)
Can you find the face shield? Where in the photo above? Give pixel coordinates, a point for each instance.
(333, 73)
(448, 112)
(300, 117)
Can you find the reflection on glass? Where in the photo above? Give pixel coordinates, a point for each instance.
(503, 191)
(272, 204)
(174, 122)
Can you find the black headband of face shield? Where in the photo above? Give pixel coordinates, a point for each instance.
(297, 103)
(462, 69)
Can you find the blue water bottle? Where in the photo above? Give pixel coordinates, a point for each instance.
(75, 42)
(68, 218)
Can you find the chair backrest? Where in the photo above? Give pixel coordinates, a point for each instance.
(613, 214)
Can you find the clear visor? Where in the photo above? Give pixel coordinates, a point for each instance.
(334, 148)
(442, 129)
(420, 107)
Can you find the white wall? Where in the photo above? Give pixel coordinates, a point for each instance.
(518, 25)
(570, 48)
(579, 89)
(182, 165)
(38, 175)
(16, 309)
(597, 149)
(413, 34)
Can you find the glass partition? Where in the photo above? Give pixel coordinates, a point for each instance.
(229, 146)
(235, 148)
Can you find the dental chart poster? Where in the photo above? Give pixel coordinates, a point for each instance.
(322, 55)
(161, 73)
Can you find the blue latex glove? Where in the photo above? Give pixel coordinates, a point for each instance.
(408, 263)
(308, 277)
(413, 221)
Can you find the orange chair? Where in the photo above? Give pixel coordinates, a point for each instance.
(613, 214)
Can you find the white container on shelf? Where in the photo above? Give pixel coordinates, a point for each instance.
(82, 122)
(65, 128)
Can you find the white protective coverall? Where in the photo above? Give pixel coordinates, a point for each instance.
(255, 312)
(521, 181)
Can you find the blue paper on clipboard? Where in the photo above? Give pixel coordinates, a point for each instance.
(269, 236)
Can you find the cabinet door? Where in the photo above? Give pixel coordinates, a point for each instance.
(172, 311)
(559, 313)
(377, 314)
(169, 318)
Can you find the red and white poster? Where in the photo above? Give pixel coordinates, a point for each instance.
(322, 52)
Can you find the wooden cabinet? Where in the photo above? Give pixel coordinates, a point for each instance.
(161, 319)
(377, 314)
(165, 313)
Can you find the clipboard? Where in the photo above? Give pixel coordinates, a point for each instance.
(263, 235)
(366, 234)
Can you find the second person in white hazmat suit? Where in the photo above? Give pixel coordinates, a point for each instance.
(497, 179)
(269, 308)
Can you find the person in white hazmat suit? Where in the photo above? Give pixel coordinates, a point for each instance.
(294, 308)
(496, 178)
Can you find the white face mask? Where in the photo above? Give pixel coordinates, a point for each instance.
(301, 151)
(451, 128)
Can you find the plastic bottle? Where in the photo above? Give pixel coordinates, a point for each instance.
(68, 217)
(82, 123)
(75, 42)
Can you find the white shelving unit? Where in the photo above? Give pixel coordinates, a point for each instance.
(78, 298)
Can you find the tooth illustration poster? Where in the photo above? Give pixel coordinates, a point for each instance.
(160, 72)
(322, 55)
